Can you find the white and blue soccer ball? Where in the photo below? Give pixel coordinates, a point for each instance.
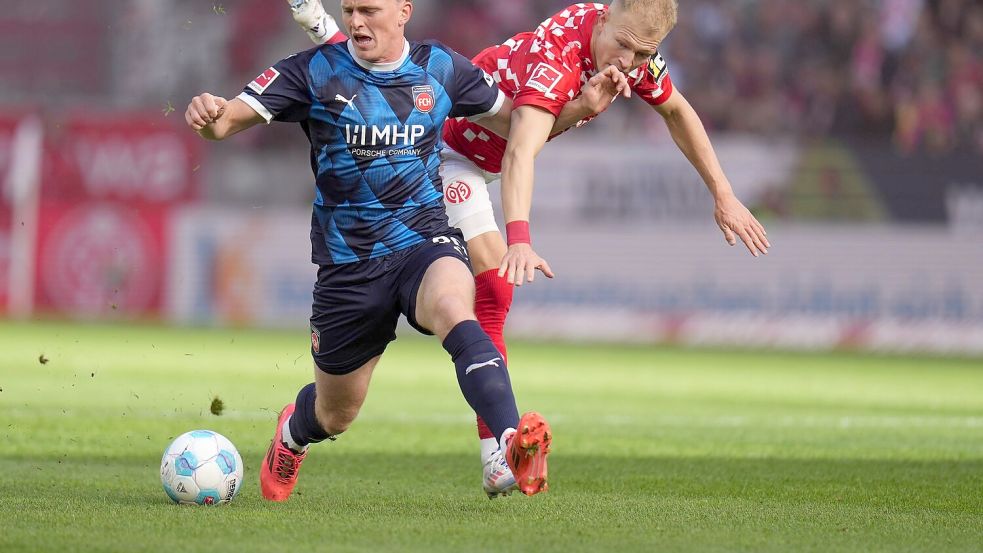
(201, 467)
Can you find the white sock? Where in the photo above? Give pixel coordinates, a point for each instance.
(288, 440)
(503, 441)
(488, 448)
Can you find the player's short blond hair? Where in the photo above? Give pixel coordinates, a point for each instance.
(658, 15)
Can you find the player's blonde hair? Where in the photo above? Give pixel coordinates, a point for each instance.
(657, 15)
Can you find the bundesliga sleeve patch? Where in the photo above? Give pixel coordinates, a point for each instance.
(544, 77)
(263, 81)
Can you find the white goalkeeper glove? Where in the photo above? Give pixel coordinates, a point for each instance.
(311, 17)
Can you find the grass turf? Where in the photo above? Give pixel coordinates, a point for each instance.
(654, 449)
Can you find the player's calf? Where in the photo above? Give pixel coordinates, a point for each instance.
(482, 376)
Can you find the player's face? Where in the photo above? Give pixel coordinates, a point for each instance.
(376, 27)
(619, 41)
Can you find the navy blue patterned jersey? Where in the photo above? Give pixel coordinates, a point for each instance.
(375, 134)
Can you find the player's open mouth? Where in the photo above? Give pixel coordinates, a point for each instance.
(362, 40)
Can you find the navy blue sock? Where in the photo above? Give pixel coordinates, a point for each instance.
(304, 428)
(482, 375)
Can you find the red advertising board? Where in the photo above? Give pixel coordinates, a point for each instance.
(110, 182)
(100, 259)
(108, 186)
(8, 126)
(124, 157)
(96, 234)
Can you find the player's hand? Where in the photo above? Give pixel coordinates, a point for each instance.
(602, 89)
(736, 221)
(204, 110)
(520, 260)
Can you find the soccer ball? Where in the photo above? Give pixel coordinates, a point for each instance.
(201, 467)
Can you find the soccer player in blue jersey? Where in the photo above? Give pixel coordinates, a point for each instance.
(373, 109)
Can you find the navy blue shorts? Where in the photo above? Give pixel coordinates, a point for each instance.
(357, 305)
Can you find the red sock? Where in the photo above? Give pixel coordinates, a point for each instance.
(493, 298)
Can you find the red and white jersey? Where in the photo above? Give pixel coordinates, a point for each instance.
(547, 68)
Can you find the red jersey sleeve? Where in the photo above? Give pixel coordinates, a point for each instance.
(546, 79)
(651, 82)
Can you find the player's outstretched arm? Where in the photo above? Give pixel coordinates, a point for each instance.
(320, 27)
(215, 118)
(529, 130)
(734, 220)
(595, 96)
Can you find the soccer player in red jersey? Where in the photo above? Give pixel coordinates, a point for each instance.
(544, 73)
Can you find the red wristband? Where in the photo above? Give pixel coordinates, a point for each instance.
(517, 232)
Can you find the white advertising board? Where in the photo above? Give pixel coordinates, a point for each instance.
(867, 287)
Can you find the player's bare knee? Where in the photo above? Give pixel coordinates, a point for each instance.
(450, 309)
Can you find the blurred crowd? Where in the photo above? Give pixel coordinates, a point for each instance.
(907, 68)
(910, 70)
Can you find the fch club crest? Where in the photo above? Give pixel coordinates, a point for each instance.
(423, 98)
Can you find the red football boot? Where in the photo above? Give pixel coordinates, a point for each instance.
(278, 475)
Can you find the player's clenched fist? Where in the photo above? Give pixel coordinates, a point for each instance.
(203, 110)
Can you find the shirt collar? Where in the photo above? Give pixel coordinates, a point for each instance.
(388, 66)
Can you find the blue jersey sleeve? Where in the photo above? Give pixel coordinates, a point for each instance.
(281, 92)
(473, 92)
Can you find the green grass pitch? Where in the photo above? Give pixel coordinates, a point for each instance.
(655, 448)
